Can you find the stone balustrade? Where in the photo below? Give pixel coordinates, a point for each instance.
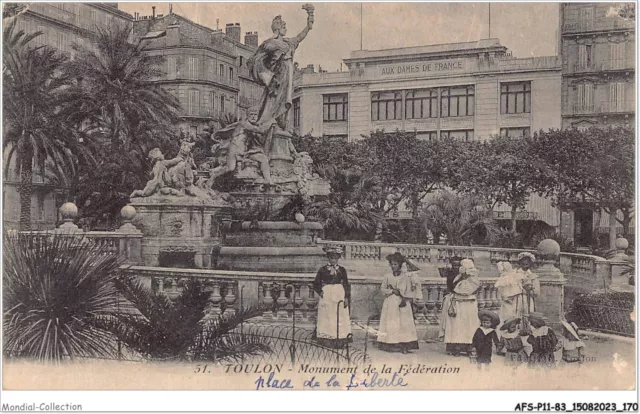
(285, 296)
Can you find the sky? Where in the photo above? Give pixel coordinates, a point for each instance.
(527, 29)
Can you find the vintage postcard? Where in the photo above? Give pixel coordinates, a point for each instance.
(323, 196)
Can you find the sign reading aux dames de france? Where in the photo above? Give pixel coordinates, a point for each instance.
(428, 67)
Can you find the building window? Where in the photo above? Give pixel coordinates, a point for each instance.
(94, 17)
(296, 113)
(585, 56)
(616, 96)
(193, 131)
(194, 102)
(193, 68)
(520, 132)
(172, 66)
(222, 104)
(421, 104)
(61, 41)
(457, 101)
(460, 135)
(584, 102)
(335, 107)
(386, 106)
(617, 56)
(241, 60)
(221, 70)
(586, 18)
(231, 73)
(515, 98)
(212, 100)
(427, 135)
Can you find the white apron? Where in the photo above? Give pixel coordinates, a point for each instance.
(329, 311)
(396, 323)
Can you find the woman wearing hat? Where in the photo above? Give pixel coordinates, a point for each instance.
(510, 291)
(460, 311)
(530, 282)
(397, 330)
(333, 327)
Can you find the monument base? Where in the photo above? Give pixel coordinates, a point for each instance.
(271, 246)
(181, 232)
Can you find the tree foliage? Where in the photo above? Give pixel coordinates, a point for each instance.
(36, 102)
(595, 166)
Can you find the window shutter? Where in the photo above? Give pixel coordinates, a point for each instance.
(582, 56)
(588, 94)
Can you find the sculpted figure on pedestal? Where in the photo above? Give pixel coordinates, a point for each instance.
(172, 177)
(272, 66)
(240, 141)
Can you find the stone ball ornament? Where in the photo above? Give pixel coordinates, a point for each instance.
(549, 249)
(128, 212)
(300, 218)
(622, 243)
(68, 211)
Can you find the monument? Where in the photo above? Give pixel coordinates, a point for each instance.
(187, 224)
(180, 222)
(259, 149)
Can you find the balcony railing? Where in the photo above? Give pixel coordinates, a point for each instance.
(618, 107)
(586, 67)
(618, 64)
(577, 109)
(590, 26)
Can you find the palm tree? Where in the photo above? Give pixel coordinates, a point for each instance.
(54, 290)
(36, 130)
(117, 80)
(158, 328)
(458, 217)
(122, 105)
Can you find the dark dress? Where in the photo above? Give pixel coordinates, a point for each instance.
(483, 343)
(543, 348)
(324, 277)
(514, 350)
(326, 332)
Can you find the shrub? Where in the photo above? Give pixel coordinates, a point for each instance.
(604, 311)
(55, 290)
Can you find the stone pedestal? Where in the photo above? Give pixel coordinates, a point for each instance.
(270, 246)
(550, 301)
(181, 232)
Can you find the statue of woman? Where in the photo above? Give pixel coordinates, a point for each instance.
(272, 67)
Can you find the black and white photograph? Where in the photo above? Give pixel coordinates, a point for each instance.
(347, 196)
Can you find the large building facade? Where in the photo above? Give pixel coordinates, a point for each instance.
(471, 90)
(598, 66)
(62, 25)
(468, 91)
(205, 69)
(597, 47)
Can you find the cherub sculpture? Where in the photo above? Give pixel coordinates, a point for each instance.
(160, 181)
(244, 139)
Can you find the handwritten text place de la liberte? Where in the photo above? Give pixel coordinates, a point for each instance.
(422, 67)
(370, 382)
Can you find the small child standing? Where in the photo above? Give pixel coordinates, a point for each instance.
(485, 337)
(543, 341)
(572, 346)
(513, 343)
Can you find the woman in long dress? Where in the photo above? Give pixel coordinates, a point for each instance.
(510, 291)
(397, 330)
(460, 316)
(333, 327)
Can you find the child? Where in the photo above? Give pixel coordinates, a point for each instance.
(513, 343)
(572, 346)
(543, 341)
(485, 337)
